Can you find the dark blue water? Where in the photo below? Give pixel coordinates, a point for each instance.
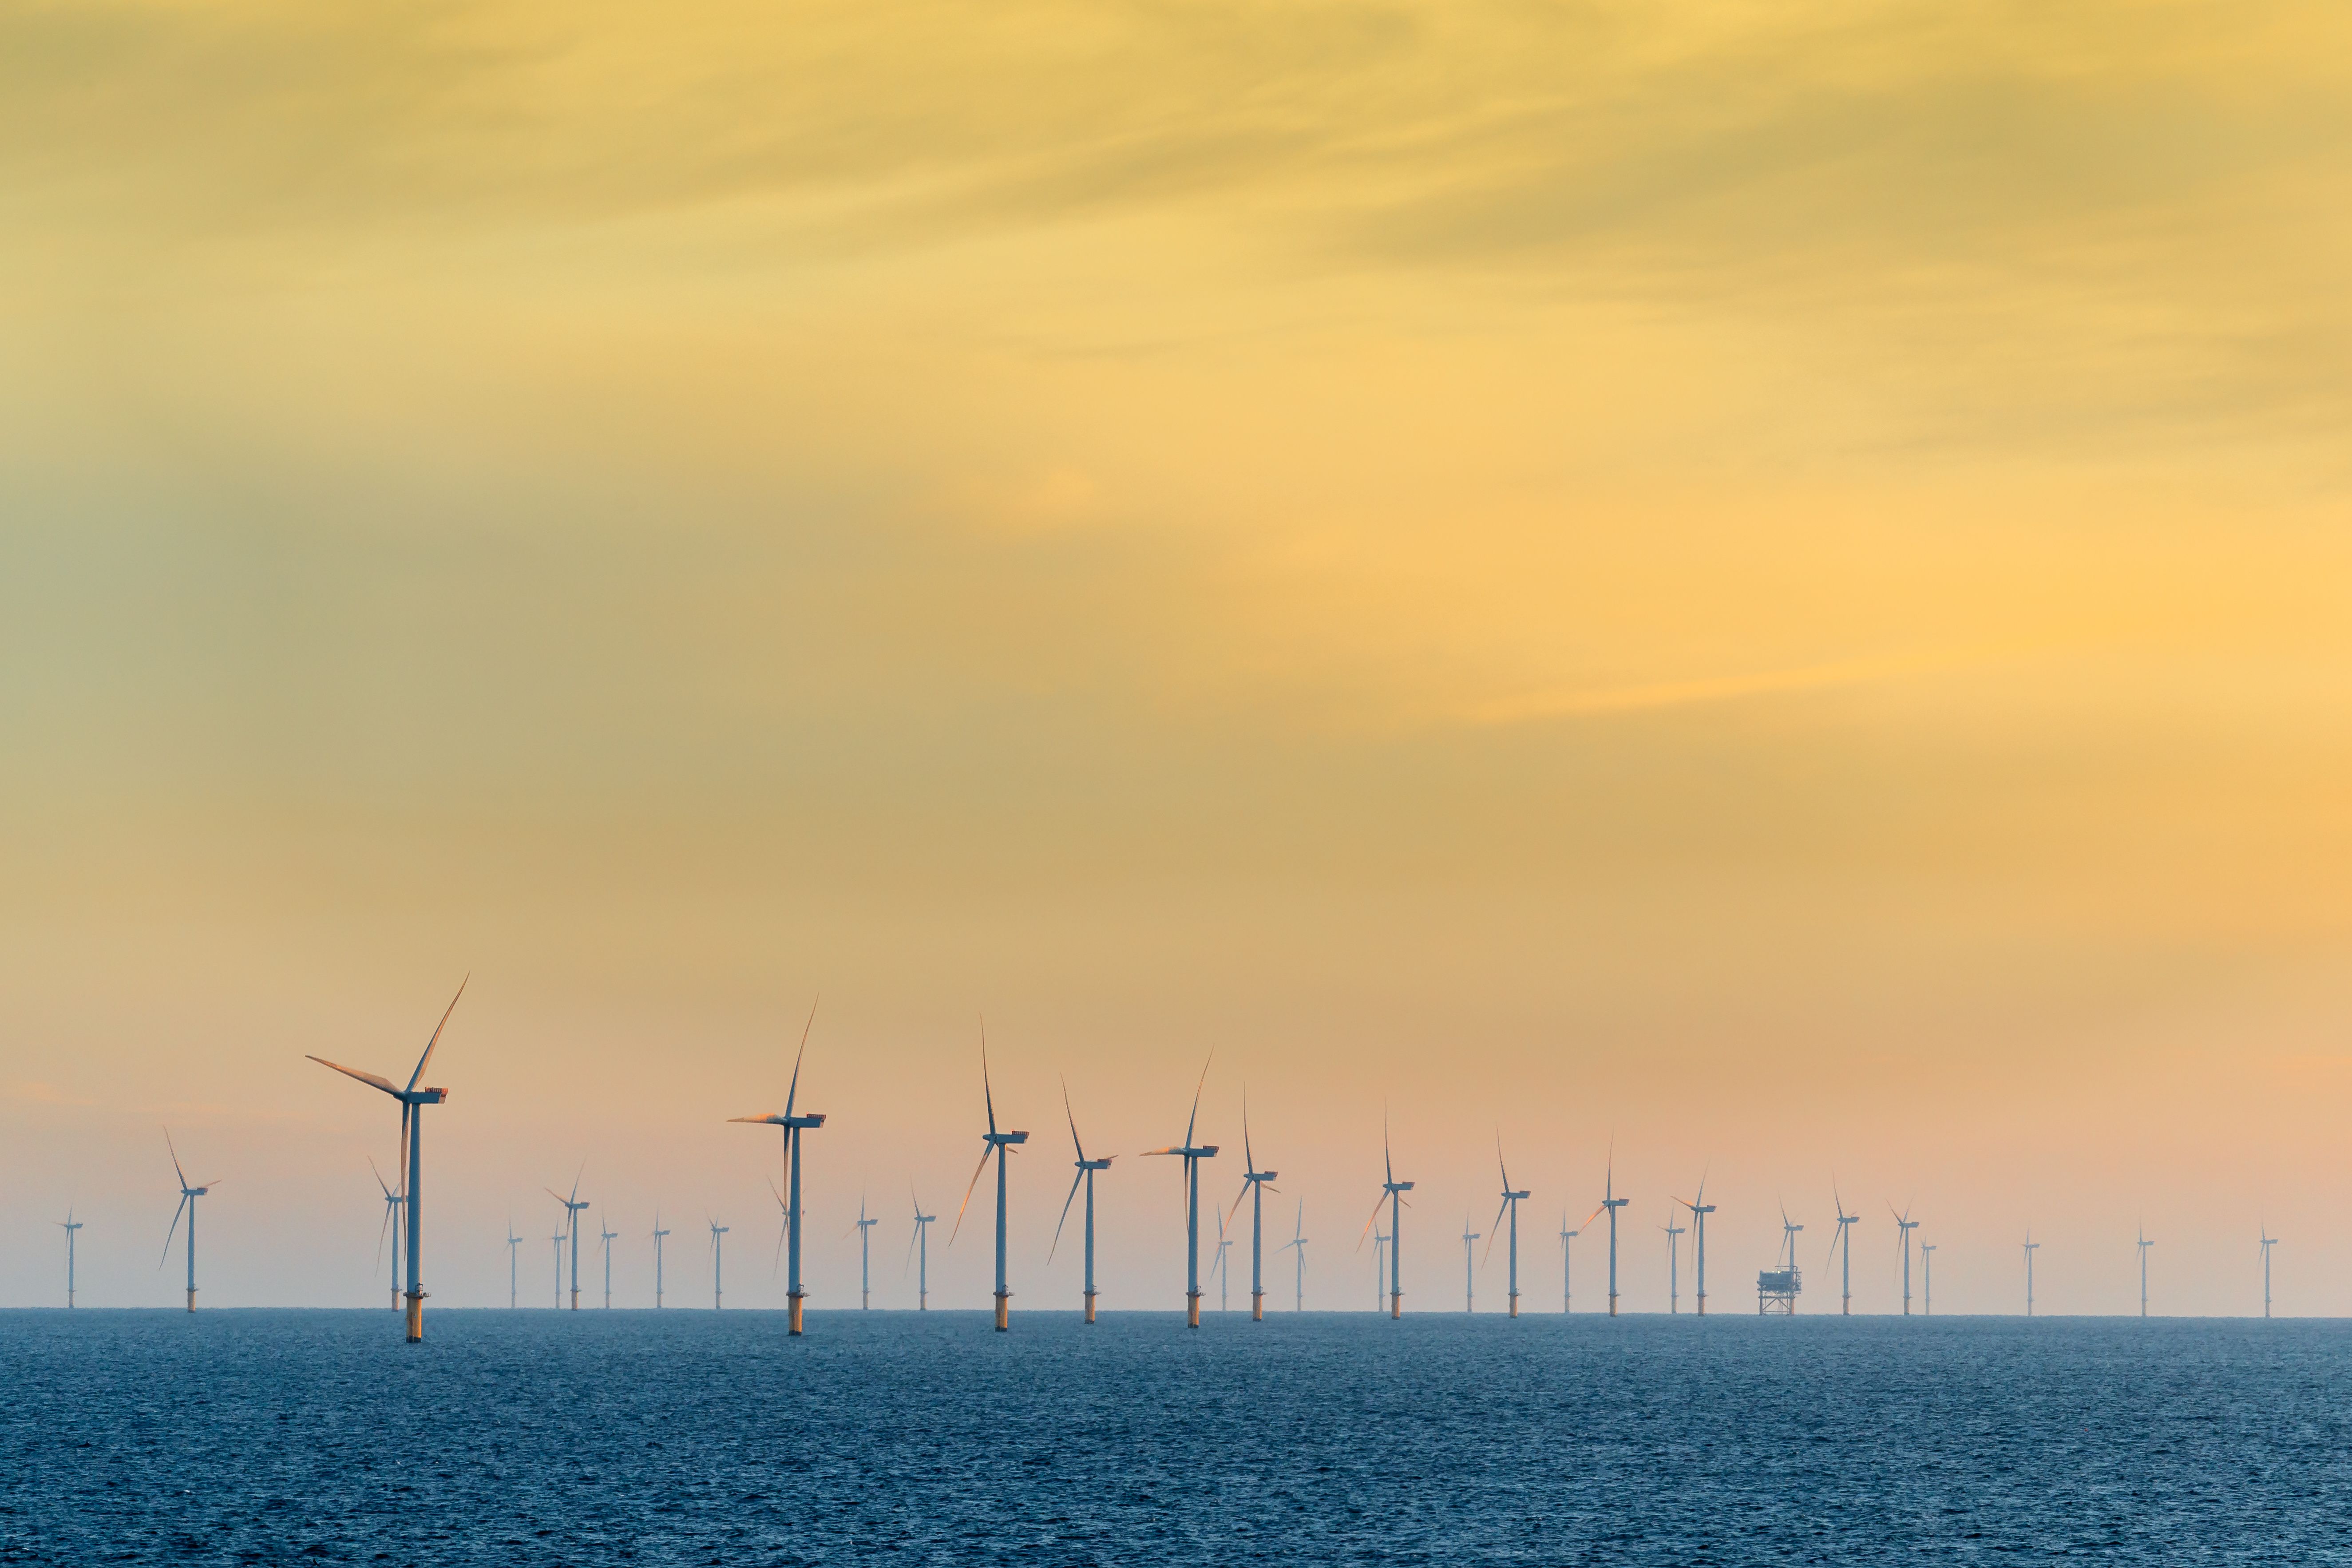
(678, 1438)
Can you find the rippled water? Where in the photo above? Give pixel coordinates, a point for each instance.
(685, 1436)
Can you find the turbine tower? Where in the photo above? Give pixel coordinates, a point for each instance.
(608, 1238)
(1469, 1266)
(1392, 1193)
(1674, 1264)
(514, 1268)
(188, 1196)
(1192, 1154)
(559, 1267)
(2269, 1241)
(1001, 1145)
(717, 1264)
(1699, 1210)
(1567, 1276)
(794, 1127)
(1908, 1225)
(413, 1102)
(2031, 1246)
(1928, 1279)
(1298, 1240)
(70, 1224)
(865, 1228)
(920, 1246)
(1086, 1177)
(1844, 1236)
(1613, 1203)
(2141, 1237)
(392, 1203)
(658, 1234)
(1255, 1188)
(572, 1207)
(1511, 1206)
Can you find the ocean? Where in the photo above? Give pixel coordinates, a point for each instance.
(688, 1437)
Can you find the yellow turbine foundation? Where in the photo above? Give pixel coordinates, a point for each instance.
(1003, 1310)
(795, 1314)
(1257, 1306)
(1090, 1306)
(416, 1316)
(192, 1298)
(1515, 1303)
(1192, 1309)
(1396, 1303)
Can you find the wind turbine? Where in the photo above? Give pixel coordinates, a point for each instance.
(514, 1268)
(1224, 1277)
(865, 1228)
(657, 1233)
(1086, 1176)
(413, 1102)
(1192, 1154)
(2141, 1235)
(793, 1126)
(1908, 1225)
(1613, 1203)
(68, 1225)
(1699, 1211)
(608, 1236)
(1299, 1241)
(1379, 1263)
(1001, 1145)
(920, 1245)
(1393, 1193)
(2269, 1241)
(391, 1202)
(717, 1264)
(1255, 1188)
(188, 1196)
(2031, 1246)
(1928, 1279)
(1845, 1235)
(559, 1267)
(1469, 1266)
(1567, 1274)
(1780, 1285)
(1674, 1264)
(572, 1205)
(1511, 1203)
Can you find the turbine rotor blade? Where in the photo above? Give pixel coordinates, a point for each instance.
(1075, 1182)
(1075, 1143)
(1191, 1120)
(793, 1093)
(976, 1170)
(175, 1159)
(437, 1035)
(368, 1079)
(184, 1201)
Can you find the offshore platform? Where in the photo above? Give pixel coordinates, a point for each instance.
(1777, 1289)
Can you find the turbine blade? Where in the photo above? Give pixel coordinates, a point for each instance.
(379, 1177)
(1236, 1208)
(1371, 1222)
(437, 1035)
(1081, 1148)
(381, 1231)
(1499, 1163)
(792, 1094)
(1074, 1181)
(175, 1160)
(1249, 1161)
(987, 1092)
(184, 1200)
(1195, 1117)
(368, 1079)
(985, 1151)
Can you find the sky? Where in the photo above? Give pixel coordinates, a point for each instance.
(1753, 591)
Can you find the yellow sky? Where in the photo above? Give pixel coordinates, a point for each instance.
(1766, 579)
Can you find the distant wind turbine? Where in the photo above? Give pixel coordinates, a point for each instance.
(1392, 1193)
(717, 1264)
(1223, 1278)
(1001, 1146)
(865, 1228)
(607, 1237)
(2269, 1241)
(1511, 1206)
(559, 1267)
(1699, 1210)
(1299, 1241)
(1611, 1202)
(1674, 1264)
(1566, 1273)
(1256, 1185)
(1846, 1223)
(514, 1268)
(2032, 1247)
(1908, 1225)
(413, 1102)
(2139, 1235)
(1379, 1267)
(1086, 1177)
(919, 1246)
(794, 1127)
(1469, 1266)
(658, 1234)
(70, 1224)
(1928, 1279)
(1193, 1153)
(188, 1196)
(391, 1207)
(572, 1207)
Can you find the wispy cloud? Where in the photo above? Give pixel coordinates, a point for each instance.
(1598, 702)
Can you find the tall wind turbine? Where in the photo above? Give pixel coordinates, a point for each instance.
(920, 1246)
(1511, 1205)
(1908, 1225)
(1674, 1264)
(2269, 1241)
(1000, 1145)
(1225, 1278)
(2032, 1247)
(1469, 1266)
(391, 1204)
(793, 1126)
(514, 1266)
(1086, 1177)
(1846, 1222)
(1192, 1154)
(559, 1267)
(1299, 1241)
(2141, 1237)
(658, 1234)
(717, 1264)
(1611, 1202)
(572, 1207)
(70, 1224)
(1380, 1264)
(607, 1236)
(865, 1228)
(1567, 1274)
(1254, 1187)
(188, 1196)
(1699, 1210)
(1392, 1193)
(1928, 1279)
(413, 1102)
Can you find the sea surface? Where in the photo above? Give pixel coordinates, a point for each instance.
(537, 1437)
